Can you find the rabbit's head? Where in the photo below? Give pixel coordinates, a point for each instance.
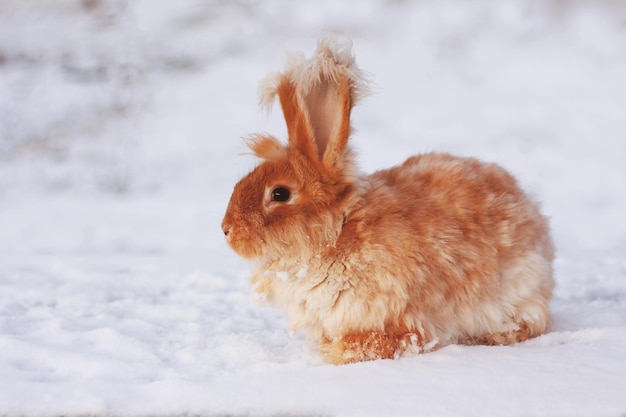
(294, 202)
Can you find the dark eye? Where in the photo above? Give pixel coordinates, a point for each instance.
(280, 194)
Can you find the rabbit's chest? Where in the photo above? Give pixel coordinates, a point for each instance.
(311, 287)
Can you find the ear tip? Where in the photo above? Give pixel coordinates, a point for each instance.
(268, 88)
(332, 56)
(335, 56)
(340, 50)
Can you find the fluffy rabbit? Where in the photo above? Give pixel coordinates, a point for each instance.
(436, 251)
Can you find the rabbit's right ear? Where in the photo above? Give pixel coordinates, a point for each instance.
(317, 96)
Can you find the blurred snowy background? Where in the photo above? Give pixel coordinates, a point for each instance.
(120, 127)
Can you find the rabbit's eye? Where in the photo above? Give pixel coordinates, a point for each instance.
(280, 194)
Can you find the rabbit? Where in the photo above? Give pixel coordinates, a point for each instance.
(436, 251)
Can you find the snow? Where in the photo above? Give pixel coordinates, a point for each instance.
(120, 127)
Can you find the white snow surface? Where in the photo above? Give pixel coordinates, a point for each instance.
(120, 127)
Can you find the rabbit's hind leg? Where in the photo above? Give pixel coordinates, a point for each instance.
(519, 331)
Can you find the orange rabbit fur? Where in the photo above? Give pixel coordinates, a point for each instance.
(435, 251)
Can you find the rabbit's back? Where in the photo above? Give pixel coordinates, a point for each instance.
(454, 200)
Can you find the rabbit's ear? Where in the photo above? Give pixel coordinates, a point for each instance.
(301, 134)
(316, 96)
(328, 103)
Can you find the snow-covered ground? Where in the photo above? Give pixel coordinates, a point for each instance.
(120, 126)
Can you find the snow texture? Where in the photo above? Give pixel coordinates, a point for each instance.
(120, 127)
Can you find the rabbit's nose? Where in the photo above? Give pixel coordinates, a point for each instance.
(226, 229)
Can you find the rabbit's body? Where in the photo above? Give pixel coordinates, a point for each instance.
(465, 261)
(435, 251)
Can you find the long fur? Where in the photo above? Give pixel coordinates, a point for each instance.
(435, 251)
(332, 59)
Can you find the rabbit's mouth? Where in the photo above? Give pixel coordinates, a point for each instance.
(243, 244)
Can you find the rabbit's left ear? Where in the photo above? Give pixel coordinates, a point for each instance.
(317, 96)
